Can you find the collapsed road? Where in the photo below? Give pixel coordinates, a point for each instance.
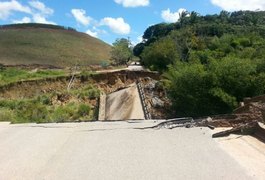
(116, 150)
(126, 150)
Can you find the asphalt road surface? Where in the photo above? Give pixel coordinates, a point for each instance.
(115, 150)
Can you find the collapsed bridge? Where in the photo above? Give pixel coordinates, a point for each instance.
(125, 104)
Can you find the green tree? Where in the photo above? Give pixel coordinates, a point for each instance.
(121, 51)
(160, 54)
(188, 86)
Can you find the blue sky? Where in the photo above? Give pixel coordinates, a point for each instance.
(112, 19)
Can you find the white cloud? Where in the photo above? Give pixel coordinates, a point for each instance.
(92, 33)
(41, 7)
(23, 20)
(80, 16)
(38, 18)
(235, 5)
(118, 26)
(133, 3)
(7, 7)
(169, 16)
(40, 12)
(37, 9)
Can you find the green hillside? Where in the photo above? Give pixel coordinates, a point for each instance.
(209, 63)
(49, 44)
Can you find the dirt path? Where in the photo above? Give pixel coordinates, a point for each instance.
(131, 67)
(114, 150)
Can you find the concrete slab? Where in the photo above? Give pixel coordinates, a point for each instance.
(124, 104)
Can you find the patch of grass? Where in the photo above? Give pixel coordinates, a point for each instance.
(88, 91)
(10, 75)
(83, 110)
(63, 113)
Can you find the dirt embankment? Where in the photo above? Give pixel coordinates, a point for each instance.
(107, 82)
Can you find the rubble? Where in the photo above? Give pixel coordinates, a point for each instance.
(155, 98)
(157, 103)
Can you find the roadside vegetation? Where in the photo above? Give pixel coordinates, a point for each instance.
(209, 63)
(68, 106)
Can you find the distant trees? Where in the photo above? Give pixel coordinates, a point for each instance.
(121, 51)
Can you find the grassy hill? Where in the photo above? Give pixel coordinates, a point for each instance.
(49, 45)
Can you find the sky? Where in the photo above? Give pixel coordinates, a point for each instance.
(112, 19)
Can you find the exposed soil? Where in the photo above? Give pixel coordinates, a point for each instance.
(107, 82)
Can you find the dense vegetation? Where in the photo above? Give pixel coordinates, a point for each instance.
(50, 45)
(209, 63)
